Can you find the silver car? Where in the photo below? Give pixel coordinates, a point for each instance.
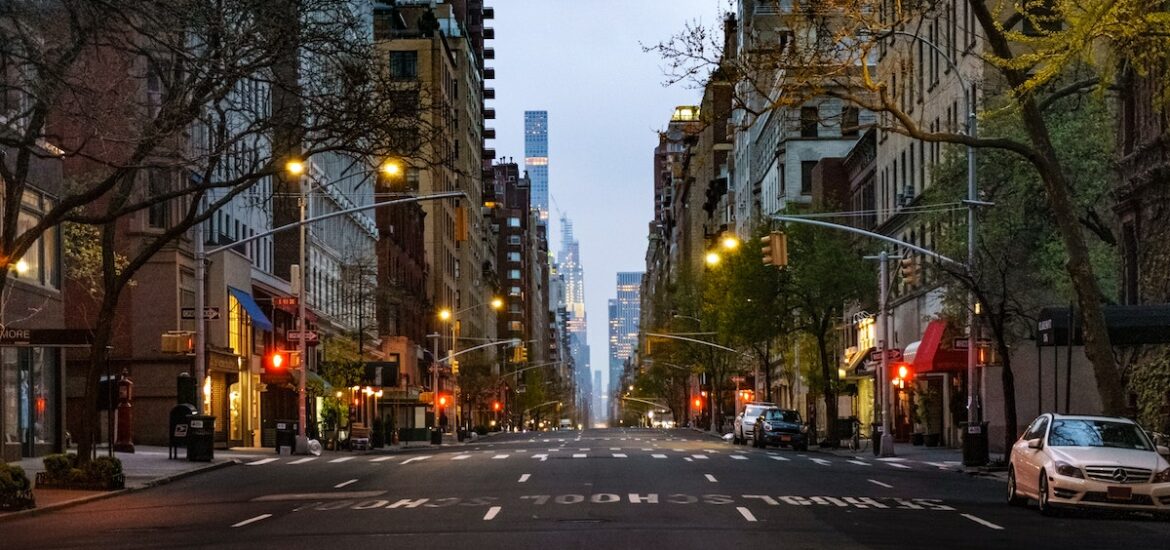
(746, 421)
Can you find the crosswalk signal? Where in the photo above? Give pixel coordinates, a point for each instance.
(909, 269)
(775, 249)
(902, 373)
(277, 361)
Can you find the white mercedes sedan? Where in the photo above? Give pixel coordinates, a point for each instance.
(1089, 461)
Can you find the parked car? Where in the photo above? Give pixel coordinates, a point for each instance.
(780, 427)
(742, 428)
(1088, 461)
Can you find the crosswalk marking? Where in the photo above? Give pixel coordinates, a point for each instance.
(615, 448)
(460, 457)
(304, 460)
(711, 478)
(498, 457)
(940, 465)
(524, 477)
(619, 455)
(579, 455)
(658, 455)
(542, 457)
(821, 461)
(778, 457)
(262, 461)
(739, 457)
(700, 457)
(381, 459)
(415, 459)
(896, 465)
(859, 463)
(342, 459)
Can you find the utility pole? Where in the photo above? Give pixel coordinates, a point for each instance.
(886, 389)
(435, 380)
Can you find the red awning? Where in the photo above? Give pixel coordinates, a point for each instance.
(934, 354)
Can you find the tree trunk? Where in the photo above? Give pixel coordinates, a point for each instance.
(830, 391)
(1080, 270)
(98, 357)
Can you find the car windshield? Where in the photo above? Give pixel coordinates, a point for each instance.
(1097, 433)
(777, 415)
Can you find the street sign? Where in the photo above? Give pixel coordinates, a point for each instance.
(208, 313)
(737, 379)
(284, 301)
(310, 336)
(894, 354)
(961, 343)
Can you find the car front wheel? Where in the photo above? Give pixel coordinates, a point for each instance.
(1013, 495)
(1045, 506)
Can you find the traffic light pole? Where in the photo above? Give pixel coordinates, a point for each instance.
(887, 440)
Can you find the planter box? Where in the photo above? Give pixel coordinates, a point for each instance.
(118, 482)
(20, 500)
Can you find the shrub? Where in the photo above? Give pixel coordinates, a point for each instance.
(12, 479)
(58, 466)
(103, 469)
(481, 430)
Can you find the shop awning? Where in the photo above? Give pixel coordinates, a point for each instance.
(855, 365)
(933, 353)
(258, 318)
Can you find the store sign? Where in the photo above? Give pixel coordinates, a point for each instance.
(46, 337)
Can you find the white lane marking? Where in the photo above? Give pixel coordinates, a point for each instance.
(262, 461)
(542, 457)
(777, 457)
(460, 457)
(711, 478)
(859, 462)
(578, 455)
(647, 450)
(342, 459)
(896, 465)
(584, 449)
(658, 455)
(701, 457)
(499, 457)
(615, 448)
(982, 522)
(713, 451)
(821, 461)
(553, 450)
(415, 459)
(747, 514)
(739, 457)
(522, 450)
(677, 450)
(892, 459)
(688, 459)
(524, 477)
(619, 455)
(491, 513)
(939, 465)
(381, 459)
(304, 460)
(880, 484)
(344, 483)
(253, 520)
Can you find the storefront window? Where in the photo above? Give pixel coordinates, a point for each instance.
(8, 400)
(235, 422)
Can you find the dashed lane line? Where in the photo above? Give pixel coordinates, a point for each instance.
(896, 465)
(880, 484)
(542, 457)
(778, 457)
(499, 457)
(859, 462)
(821, 461)
(711, 478)
(344, 483)
(524, 478)
(415, 459)
(700, 457)
(262, 461)
(983, 522)
(739, 457)
(491, 513)
(253, 520)
(619, 455)
(747, 514)
(304, 460)
(460, 457)
(382, 459)
(579, 455)
(342, 459)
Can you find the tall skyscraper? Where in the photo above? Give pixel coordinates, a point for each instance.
(624, 313)
(574, 274)
(536, 158)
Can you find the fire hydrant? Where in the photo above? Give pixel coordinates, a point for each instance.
(123, 441)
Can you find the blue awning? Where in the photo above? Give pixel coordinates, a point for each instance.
(258, 318)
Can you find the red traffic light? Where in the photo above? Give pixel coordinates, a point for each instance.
(698, 403)
(901, 373)
(442, 400)
(276, 361)
(496, 405)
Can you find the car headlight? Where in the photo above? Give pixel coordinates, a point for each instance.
(767, 426)
(1066, 469)
(1162, 477)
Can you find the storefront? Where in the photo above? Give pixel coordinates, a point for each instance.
(938, 403)
(31, 401)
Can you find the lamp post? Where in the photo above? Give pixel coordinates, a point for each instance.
(297, 168)
(447, 315)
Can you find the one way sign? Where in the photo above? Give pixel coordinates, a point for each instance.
(208, 313)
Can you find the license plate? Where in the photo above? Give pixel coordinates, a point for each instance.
(785, 438)
(1119, 493)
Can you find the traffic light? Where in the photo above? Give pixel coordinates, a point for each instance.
(745, 395)
(775, 249)
(496, 406)
(909, 268)
(698, 403)
(443, 400)
(901, 373)
(277, 361)
(454, 366)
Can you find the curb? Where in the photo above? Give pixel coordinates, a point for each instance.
(111, 494)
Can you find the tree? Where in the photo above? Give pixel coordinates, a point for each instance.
(814, 50)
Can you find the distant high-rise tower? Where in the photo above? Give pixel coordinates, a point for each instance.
(624, 313)
(574, 274)
(536, 158)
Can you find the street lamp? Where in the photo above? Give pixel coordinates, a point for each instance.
(712, 258)
(296, 168)
(447, 315)
(730, 242)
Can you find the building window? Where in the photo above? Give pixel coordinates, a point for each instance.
(806, 171)
(513, 256)
(513, 222)
(514, 239)
(404, 65)
(808, 122)
(514, 291)
(849, 121)
(516, 326)
(158, 215)
(514, 274)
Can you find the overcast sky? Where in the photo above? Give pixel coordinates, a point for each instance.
(581, 61)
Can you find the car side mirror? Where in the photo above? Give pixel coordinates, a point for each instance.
(1035, 443)
(1163, 450)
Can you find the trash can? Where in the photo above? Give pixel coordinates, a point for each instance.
(286, 436)
(180, 425)
(201, 438)
(875, 438)
(436, 437)
(974, 443)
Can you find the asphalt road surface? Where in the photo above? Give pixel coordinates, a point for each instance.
(596, 489)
